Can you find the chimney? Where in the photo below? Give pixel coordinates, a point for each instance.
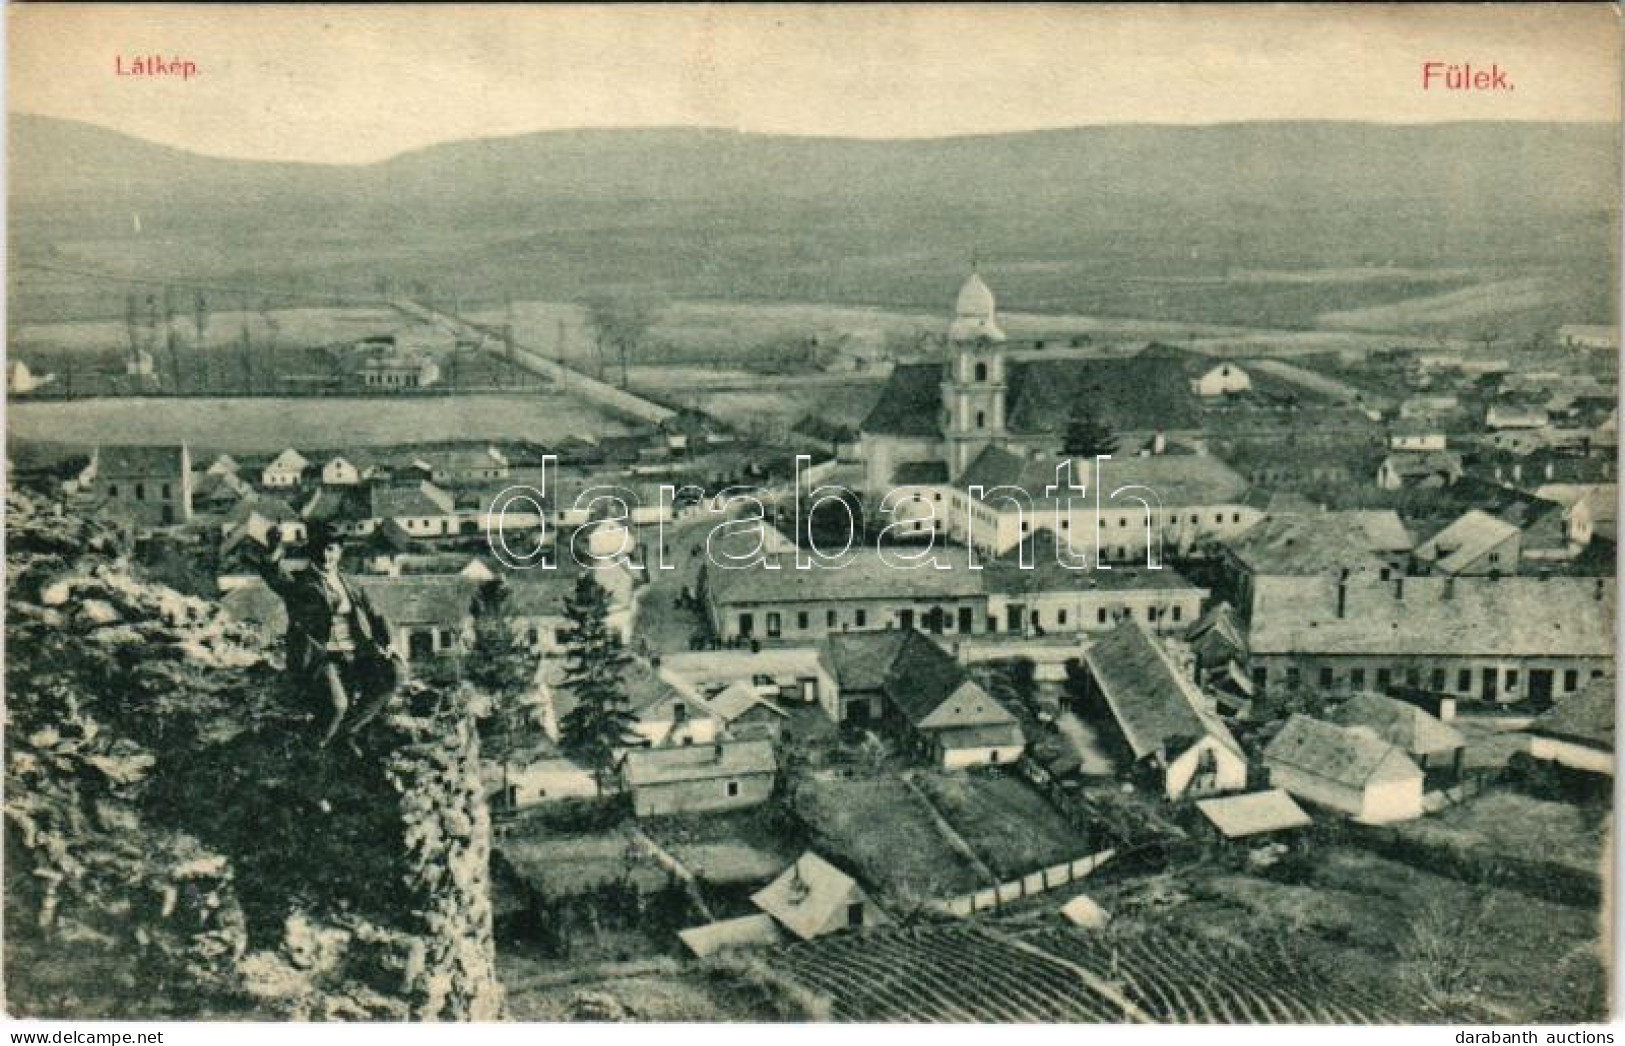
(1342, 591)
(1159, 442)
(1550, 469)
(1517, 472)
(1399, 587)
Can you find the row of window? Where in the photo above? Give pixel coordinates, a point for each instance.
(948, 619)
(140, 491)
(1488, 681)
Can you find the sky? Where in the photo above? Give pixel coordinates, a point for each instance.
(340, 84)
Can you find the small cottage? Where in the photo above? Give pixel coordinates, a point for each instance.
(1348, 769)
(727, 775)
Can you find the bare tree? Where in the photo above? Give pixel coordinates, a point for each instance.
(621, 322)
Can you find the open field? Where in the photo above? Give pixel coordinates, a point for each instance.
(882, 830)
(271, 423)
(1009, 825)
(1452, 950)
(1519, 826)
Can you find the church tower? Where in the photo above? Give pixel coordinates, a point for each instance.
(973, 392)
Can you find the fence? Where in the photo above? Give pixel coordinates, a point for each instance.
(1029, 885)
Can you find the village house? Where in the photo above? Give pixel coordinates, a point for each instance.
(1416, 434)
(1506, 416)
(1304, 544)
(1049, 599)
(745, 712)
(287, 469)
(391, 367)
(1167, 501)
(428, 617)
(858, 665)
(1494, 639)
(1476, 543)
(151, 486)
(1159, 716)
(347, 470)
(463, 465)
(1589, 509)
(422, 510)
(1579, 732)
(1429, 407)
(948, 716)
(1417, 468)
(813, 898)
(1347, 769)
(1220, 380)
(1430, 743)
(726, 775)
(215, 495)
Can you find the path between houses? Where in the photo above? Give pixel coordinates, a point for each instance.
(948, 832)
(676, 867)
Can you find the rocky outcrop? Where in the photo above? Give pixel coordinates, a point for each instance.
(176, 845)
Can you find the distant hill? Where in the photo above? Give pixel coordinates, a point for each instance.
(1067, 219)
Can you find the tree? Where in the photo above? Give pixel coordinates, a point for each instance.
(594, 663)
(621, 322)
(503, 666)
(1087, 435)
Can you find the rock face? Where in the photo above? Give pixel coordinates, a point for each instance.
(176, 845)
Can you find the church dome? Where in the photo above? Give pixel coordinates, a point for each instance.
(975, 300)
(974, 313)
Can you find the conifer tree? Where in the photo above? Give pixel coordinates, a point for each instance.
(504, 666)
(594, 666)
(1087, 436)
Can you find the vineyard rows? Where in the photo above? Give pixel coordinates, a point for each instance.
(967, 973)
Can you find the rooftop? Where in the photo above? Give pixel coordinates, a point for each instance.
(1353, 756)
(1154, 705)
(428, 600)
(140, 462)
(1177, 479)
(659, 766)
(1239, 816)
(807, 896)
(1458, 616)
(1399, 723)
(1586, 716)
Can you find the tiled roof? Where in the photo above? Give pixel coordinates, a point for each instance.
(1586, 716)
(1178, 479)
(923, 676)
(1383, 529)
(1352, 756)
(866, 577)
(739, 698)
(1156, 708)
(1312, 543)
(658, 766)
(424, 499)
(1239, 816)
(1466, 540)
(860, 661)
(140, 462)
(1414, 463)
(434, 600)
(808, 896)
(920, 473)
(1046, 574)
(1145, 391)
(344, 504)
(1458, 616)
(1399, 723)
(910, 404)
(986, 735)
